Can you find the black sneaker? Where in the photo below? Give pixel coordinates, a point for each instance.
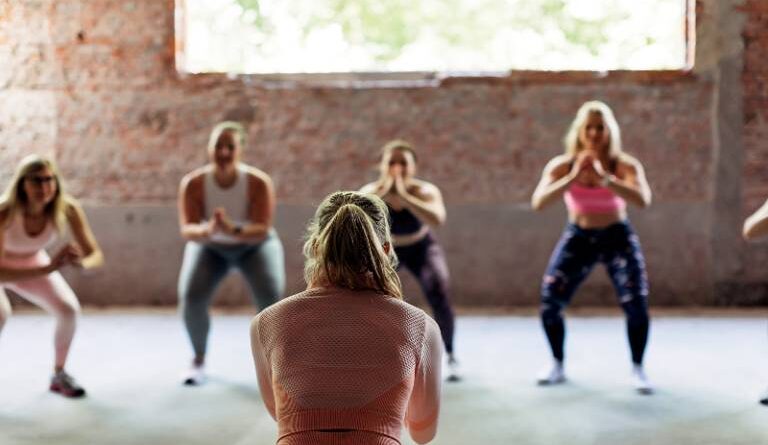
(764, 398)
(65, 384)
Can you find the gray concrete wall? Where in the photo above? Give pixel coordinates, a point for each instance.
(507, 248)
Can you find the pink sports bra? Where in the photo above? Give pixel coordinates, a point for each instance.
(590, 200)
(17, 241)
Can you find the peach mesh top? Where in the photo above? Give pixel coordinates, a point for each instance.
(359, 361)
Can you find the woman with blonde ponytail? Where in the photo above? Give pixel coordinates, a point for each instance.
(347, 361)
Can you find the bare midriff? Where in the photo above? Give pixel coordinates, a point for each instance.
(597, 220)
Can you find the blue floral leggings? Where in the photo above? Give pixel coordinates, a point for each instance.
(618, 248)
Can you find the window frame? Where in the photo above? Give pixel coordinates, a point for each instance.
(400, 79)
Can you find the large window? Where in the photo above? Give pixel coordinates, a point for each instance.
(321, 36)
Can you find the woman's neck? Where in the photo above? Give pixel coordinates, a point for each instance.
(34, 210)
(225, 176)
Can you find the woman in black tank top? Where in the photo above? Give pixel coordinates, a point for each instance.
(415, 205)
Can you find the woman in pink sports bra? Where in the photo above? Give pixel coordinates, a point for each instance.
(348, 361)
(596, 179)
(34, 212)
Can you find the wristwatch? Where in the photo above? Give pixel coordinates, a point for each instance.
(238, 229)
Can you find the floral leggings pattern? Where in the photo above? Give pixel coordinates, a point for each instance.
(618, 248)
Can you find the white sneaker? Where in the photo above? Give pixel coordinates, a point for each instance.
(454, 369)
(552, 376)
(194, 376)
(640, 381)
(764, 398)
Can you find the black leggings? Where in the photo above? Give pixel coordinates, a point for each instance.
(618, 248)
(426, 260)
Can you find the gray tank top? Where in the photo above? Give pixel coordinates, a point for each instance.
(233, 199)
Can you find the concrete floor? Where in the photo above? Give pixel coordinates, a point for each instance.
(709, 372)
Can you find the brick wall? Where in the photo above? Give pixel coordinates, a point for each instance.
(93, 83)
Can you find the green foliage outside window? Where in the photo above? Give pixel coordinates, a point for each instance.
(493, 35)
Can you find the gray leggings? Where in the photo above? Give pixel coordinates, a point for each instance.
(205, 265)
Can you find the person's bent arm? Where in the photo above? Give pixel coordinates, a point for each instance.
(373, 188)
(261, 209)
(756, 225)
(633, 187)
(428, 207)
(555, 180)
(379, 188)
(424, 405)
(263, 370)
(92, 255)
(191, 209)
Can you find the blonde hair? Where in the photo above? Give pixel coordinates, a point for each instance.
(571, 140)
(14, 198)
(344, 245)
(223, 127)
(398, 144)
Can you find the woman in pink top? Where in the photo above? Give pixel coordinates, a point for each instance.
(596, 179)
(348, 361)
(756, 226)
(34, 212)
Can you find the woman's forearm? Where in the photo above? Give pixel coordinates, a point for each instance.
(433, 215)
(551, 192)
(195, 231)
(756, 225)
(93, 260)
(629, 192)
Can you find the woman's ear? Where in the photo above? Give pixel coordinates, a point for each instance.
(387, 247)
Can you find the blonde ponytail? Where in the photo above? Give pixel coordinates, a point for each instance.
(345, 242)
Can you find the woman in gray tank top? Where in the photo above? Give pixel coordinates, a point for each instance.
(226, 210)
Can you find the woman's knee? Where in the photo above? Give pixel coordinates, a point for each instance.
(436, 286)
(196, 290)
(550, 312)
(67, 309)
(192, 307)
(553, 302)
(636, 309)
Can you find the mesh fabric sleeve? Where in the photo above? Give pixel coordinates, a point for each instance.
(263, 368)
(424, 404)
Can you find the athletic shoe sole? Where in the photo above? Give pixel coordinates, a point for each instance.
(70, 393)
